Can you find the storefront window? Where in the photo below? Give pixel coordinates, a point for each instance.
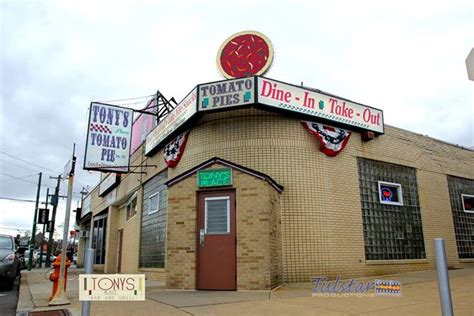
(98, 238)
(461, 192)
(153, 230)
(391, 216)
(131, 207)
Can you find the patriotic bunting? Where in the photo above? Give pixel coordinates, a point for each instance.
(175, 149)
(332, 139)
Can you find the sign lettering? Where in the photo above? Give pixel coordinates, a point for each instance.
(109, 137)
(214, 178)
(301, 100)
(224, 94)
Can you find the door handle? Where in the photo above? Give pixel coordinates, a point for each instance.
(201, 237)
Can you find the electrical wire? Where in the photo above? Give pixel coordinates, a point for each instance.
(20, 166)
(30, 163)
(118, 100)
(16, 178)
(15, 199)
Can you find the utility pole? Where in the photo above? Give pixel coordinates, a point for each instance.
(33, 231)
(53, 219)
(59, 297)
(44, 226)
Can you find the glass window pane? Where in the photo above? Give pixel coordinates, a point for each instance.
(460, 190)
(217, 216)
(392, 230)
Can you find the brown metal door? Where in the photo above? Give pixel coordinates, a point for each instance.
(216, 241)
(119, 250)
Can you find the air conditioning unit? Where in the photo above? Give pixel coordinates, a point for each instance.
(84, 234)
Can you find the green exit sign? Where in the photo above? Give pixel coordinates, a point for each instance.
(214, 178)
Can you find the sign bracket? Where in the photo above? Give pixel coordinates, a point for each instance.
(163, 105)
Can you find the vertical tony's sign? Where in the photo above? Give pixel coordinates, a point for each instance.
(109, 133)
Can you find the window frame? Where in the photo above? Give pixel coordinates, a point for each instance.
(462, 201)
(227, 198)
(130, 201)
(150, 211)
(398, 186)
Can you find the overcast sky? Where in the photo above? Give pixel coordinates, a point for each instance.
(404, 57)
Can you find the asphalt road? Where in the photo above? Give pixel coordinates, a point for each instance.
(9, 299)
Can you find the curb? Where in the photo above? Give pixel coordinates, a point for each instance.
(25, 299)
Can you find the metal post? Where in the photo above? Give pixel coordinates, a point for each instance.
(60, 297)
(88, 265)
(443, 278)
(35, 218)
(53, 218)
(44, 225)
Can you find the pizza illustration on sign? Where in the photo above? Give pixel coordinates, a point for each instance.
(245, 54)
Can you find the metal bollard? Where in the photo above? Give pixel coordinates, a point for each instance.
(88, 268)
(443, 278)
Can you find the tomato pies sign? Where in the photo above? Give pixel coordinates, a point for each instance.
(245, 54)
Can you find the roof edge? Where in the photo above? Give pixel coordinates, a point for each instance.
(249, 171)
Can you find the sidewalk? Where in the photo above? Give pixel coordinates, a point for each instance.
(419, 297)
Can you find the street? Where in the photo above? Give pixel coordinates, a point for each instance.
(9, 299)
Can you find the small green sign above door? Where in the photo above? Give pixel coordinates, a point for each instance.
(214, 178)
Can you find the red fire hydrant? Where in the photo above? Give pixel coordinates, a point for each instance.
(54, 277)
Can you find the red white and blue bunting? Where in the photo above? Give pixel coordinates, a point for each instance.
(175, 149)
(332, 139)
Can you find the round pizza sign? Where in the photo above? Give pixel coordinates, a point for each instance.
(245, 54)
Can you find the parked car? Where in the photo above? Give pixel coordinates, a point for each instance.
(44, 257)
(34, 261)
(9, 261)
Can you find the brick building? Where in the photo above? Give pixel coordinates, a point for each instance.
(289, 212)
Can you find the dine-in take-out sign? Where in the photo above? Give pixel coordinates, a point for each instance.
(305, 101)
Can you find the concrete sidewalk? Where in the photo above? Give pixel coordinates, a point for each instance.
(419, 297)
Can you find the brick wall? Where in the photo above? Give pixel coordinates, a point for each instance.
(321, 218)
(257, 230)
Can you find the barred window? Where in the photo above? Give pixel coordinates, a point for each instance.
(153, 230)
(460, 190)
(392, 231)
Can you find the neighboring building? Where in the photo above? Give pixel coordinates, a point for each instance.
(283, 211)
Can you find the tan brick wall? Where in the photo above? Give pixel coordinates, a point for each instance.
(276, 265)
(257, 228)
(321, 218)
(181, 235)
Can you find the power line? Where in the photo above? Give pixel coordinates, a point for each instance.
(14, 164)
(30, 163)
(15, 199)
(16, 178)
(118, 100)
